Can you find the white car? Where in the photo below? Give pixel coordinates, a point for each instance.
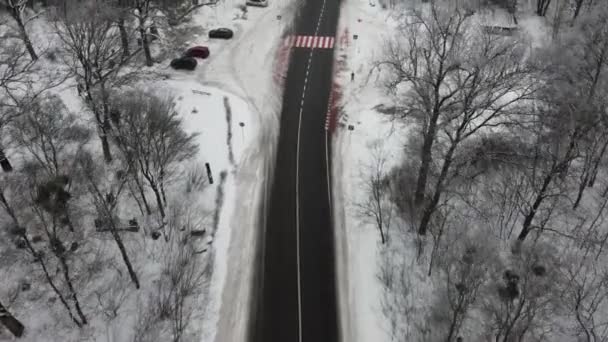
(260, 3)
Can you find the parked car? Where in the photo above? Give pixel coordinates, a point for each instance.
(223, 33)
(185, 63)
(260, 3)
(197, 52)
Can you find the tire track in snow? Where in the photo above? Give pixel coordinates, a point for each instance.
(229, 130)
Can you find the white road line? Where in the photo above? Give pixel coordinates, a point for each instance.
(298, 179)
(328, 178)
(298, 222)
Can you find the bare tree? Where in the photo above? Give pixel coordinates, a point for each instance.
(17, 199)
(50, 201)
(21, 83)
(568, 127)
(184, 271)
(17, 9)
(47, 131)
(93, 47)
(105, 199)
(144, 13)
(525, 297)
(122, 15)
(182, 278)
(586, 73)
(377, 206)
(147, 14)
(150, 132)
(463, 83)
(465, 272)
(424, 62)
(39, 257)
(586, 295)
(178, 10)
(545, 177)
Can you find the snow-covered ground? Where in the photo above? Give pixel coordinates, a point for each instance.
(232, 100)
(371, 138)
(353, 151)
(216, 117)
(242, 69)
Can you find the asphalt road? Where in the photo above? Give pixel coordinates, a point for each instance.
(296, 289)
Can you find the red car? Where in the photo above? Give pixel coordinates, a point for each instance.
(197, 52)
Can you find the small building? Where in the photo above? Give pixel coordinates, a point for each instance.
(497, 20)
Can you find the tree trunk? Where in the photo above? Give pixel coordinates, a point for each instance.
(104, 129)
(577, 9)
(68, 221)
(10, 322)
(125, 257)
(597, 163)
(142, 193)
(16, 14)
(66, 276)
(146, 45)
(430, 208)
(8, 208)
(4, 162)
(427, 159)
(55, 289)
(159, 200)
(452, 329)
(581, 189)
(161, 181)
(542, 6)
(105, 146)
(124, 37)
(525, 230)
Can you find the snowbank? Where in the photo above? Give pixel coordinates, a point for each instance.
(358, 241)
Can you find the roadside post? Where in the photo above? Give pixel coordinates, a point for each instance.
(242, 124)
